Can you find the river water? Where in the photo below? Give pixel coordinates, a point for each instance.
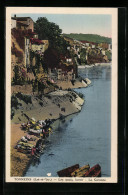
(85, 138)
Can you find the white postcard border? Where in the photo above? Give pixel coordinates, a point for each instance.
(114, 157)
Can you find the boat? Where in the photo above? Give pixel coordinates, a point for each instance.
(35, 132)
(26, 144)
(95, 171)
(67, 171)
(24, 149)
(81, 171)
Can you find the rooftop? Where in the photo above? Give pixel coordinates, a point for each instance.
(22, 23)
(21, 18)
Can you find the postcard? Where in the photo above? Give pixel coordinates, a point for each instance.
(61, 95)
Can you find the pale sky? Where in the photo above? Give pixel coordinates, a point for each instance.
(78, 23)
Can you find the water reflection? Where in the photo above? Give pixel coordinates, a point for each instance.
(96, 72)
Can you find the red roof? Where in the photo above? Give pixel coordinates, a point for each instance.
(88, 42)
(33, 33)
(36, 41)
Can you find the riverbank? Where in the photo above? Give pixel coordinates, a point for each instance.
(52, 105)
(93, 65)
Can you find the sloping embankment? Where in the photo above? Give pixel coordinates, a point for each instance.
(48, 106)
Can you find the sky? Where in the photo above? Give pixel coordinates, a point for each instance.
(78, 23)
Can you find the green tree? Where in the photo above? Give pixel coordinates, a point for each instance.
(83, 55)
(109, 55)
(51, 58)
(50, 31)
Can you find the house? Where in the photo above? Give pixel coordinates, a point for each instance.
(109, 47)
(93, 46)
(24, 20)
(103, 52)
(21, 26)
(53, 74)
(13, 23)
(103, 45)
(36, 45)
(26, 52)
(68, 60)
(46, 44)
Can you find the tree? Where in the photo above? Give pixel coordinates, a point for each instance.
(51, 58)
(83, 55)
(50, 31)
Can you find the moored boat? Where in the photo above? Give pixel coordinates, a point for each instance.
(35, 132)
(26, 144)
(95, 171)
(67, 171)
(81, 171)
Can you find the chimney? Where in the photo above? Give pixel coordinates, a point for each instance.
(15, 16)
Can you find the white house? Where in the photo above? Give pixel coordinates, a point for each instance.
(27, 52)
(13, 23)
(68, 59)
(110, 47)
(103, 52)
(93, 46)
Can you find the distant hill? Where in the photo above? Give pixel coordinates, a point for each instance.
(89, 37)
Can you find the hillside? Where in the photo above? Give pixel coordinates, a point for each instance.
(89, 37)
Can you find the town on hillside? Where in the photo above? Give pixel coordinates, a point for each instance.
(45, 68)
(41, 61)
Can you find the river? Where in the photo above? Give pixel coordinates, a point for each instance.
(85, 138)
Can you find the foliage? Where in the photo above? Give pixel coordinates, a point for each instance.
(12, 113)
(39, 61)
(50, 31)
(26, 98)
(89, 37)
(41, 103)
(56, 86)
(109, 55)
(19, 76)
(17, 53)
(48, 96)
(79, 61)
(14, 102)
(14, 105)
(81, 95)
(51, 58)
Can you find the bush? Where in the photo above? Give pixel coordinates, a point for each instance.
(56, 86)
(26, 98)
(12, 113)
(41, 103)
(81, 95)
(14, 102)
(48, 96)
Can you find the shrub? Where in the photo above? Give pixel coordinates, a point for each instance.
(48, 96)
(41, 103)
(56, 86)
(26, 98)
(81, 95)
(12, 113)
(14, 102)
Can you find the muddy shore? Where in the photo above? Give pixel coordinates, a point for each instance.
(50, 107)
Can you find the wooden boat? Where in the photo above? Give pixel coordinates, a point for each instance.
(35, 132)
(67, 171)
(24, 149)
(26, 144)
(81, 171)
(95, 171)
